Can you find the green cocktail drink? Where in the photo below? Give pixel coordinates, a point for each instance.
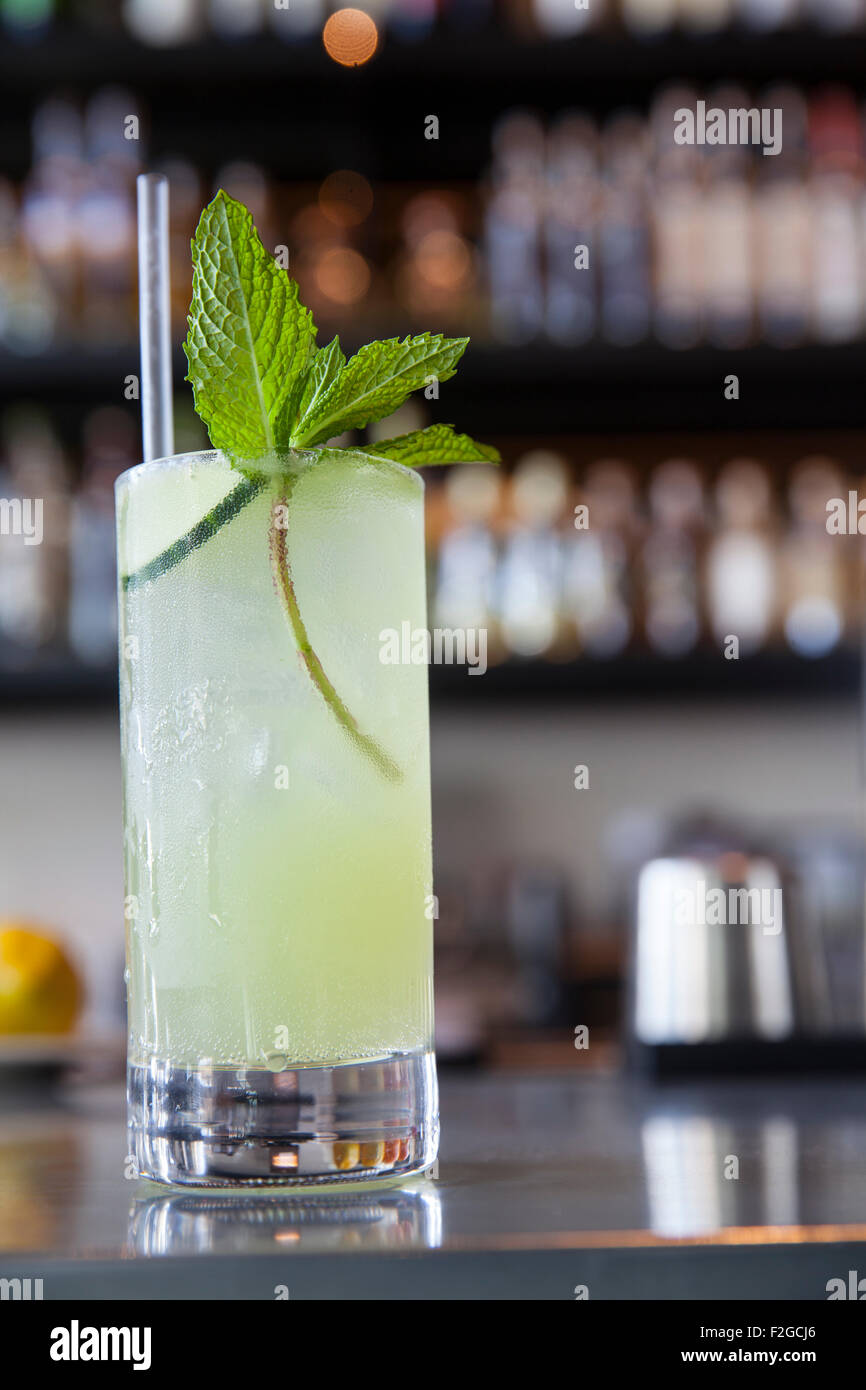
(276, 766)
(278, 876)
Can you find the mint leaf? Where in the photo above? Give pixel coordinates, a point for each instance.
(435, 444)
(321, 375)
(250, 339)
(375, 382)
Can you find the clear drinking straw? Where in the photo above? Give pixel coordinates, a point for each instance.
(154, 315)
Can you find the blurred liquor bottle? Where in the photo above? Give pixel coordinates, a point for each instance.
(741, 569)
(672, 557)
(729, 281)
(409, 20)
(836, 189)
(165, 23)
(558, 19)
(28, 307)
(837, 15)
(814, 578)
(529, 582)
(105, 216)
(572, 245)
(49, 207)
(296, 20)
(34, 558)
(578, 571)
(705, 16)
(598, 557)
(624, 243)
(678, 219)
(646, 18)
(185, 203)
(513, 229)
(783, 228)
(765, 15)
(236, 19)
(466, 566)
(110, 447)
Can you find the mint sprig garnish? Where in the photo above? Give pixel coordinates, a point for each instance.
(322, 373)
(271, 399)
(374, 382)
(250, 340)
(260, 383)
(435, 444)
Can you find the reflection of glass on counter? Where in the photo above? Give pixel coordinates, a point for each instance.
(387, 1219)
(684, 1164)
(692, 1165)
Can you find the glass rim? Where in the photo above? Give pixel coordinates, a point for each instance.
(309, 456)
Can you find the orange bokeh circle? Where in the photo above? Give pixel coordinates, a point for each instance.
(350, 37)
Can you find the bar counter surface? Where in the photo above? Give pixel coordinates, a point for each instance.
(548, 1187)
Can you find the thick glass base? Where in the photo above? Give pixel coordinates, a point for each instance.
(307, 1126)
(241, 1221)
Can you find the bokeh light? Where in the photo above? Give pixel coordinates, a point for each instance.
(346, 198)
(342, 275)
(350, 37)
(444, 260)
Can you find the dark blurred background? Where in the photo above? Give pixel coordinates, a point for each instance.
(448, 182)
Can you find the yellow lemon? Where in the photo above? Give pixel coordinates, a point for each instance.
(40, 991)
